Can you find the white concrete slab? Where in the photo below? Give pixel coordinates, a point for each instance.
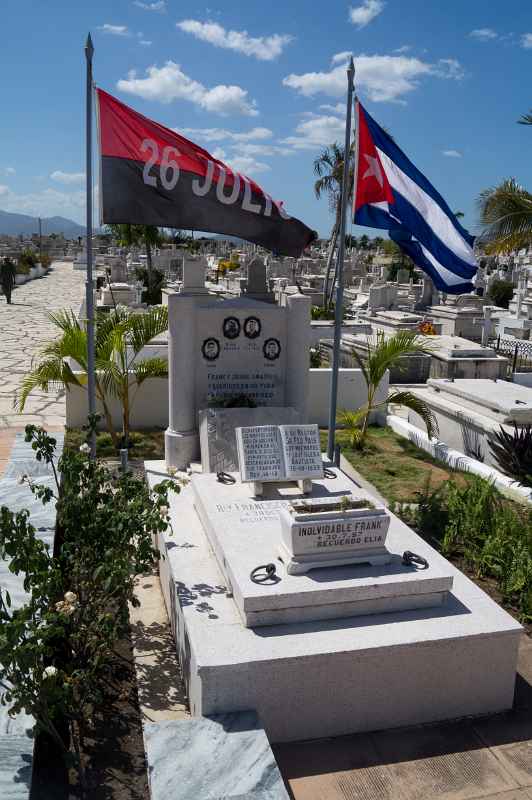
(245, 532)
(332, 677)
(501, 400)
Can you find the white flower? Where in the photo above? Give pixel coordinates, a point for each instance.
(71, 597)
(84, 448)
(50, 672)
(164, 511)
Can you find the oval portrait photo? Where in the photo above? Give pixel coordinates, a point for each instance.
(210, 348)
(231, 327)
(252, 327)
(271, 349)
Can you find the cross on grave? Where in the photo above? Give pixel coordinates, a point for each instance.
(486, 324)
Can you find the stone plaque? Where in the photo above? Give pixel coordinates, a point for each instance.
(241, 350)
(260, 453)
(217, 432)
(279, 453)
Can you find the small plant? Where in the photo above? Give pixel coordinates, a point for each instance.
(513, 453)
(345, 503)
(315, 358)
(501, 292)
(57, 650)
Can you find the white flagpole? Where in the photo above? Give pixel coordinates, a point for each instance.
(340, 268)
(89, 285)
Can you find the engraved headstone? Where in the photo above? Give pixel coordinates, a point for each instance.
(279, 453)
(218, 437)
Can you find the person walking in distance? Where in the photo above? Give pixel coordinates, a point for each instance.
(7, 277)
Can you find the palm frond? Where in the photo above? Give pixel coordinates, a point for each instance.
(50, 374)
(526, 119)
(420, 407)
(150, 368)
(506, 211)
(142, 328)
(387, 352)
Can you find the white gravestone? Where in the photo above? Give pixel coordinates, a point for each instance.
(275, 453)
(222, 349)
(323, 533)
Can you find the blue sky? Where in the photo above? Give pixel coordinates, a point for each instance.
(262, 87)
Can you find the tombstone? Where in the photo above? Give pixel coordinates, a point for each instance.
(118, 270)
(427, 294)
(217, 428)
(219, 349)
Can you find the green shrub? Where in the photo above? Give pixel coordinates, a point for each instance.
(501, 292)
(57, 650)
(513, 453)
(478, 527)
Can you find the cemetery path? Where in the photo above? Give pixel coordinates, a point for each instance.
(25, 328)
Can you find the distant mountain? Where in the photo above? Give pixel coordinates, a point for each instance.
(15, 224)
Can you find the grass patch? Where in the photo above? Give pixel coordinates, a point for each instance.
(144, 444)
(395, 466)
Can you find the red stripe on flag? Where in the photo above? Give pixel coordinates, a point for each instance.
(124, 133)
(372, 183)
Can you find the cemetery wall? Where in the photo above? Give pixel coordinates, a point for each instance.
(352, 394)
(150, 409)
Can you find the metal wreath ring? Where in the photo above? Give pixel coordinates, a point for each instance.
(270, 573)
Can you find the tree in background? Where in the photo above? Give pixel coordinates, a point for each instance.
(137, 235)
(501, 292)
(506, 213)
(329, 168)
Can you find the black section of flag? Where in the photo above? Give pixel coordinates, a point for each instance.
(126, 198)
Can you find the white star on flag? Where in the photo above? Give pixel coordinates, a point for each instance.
(374, 169)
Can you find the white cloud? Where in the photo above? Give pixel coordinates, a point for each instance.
(145, 43)
(3, 189)
(318, 131)
(404, 49)
(483, 34)
(221, 134)
(159, 6)
(169, 83)
(10, 170)
(364, 14)
(526, 41)
(341, 58)
(67, 177)
(265, 48)
(452, 153)
(247, 165)
(339, 108)
(383, 78)
(115, 30)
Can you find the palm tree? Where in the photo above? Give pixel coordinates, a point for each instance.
(382, 355)
(506, 211)
(329, 167)
(120, 337)
(129, 235)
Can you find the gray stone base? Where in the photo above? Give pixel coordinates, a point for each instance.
(225, 757)
(302, 564)
(180, 448)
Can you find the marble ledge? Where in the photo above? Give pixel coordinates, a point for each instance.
(223, 757)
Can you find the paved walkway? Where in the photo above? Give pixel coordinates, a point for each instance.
(24, 329)
(489, 758)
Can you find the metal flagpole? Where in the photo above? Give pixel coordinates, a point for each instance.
(89, 287)
(340, 270)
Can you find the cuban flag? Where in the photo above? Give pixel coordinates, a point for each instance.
(391, 193)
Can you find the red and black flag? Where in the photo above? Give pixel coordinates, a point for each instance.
(151, 175)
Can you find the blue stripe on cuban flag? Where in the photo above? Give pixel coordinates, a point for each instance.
(419, 220)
